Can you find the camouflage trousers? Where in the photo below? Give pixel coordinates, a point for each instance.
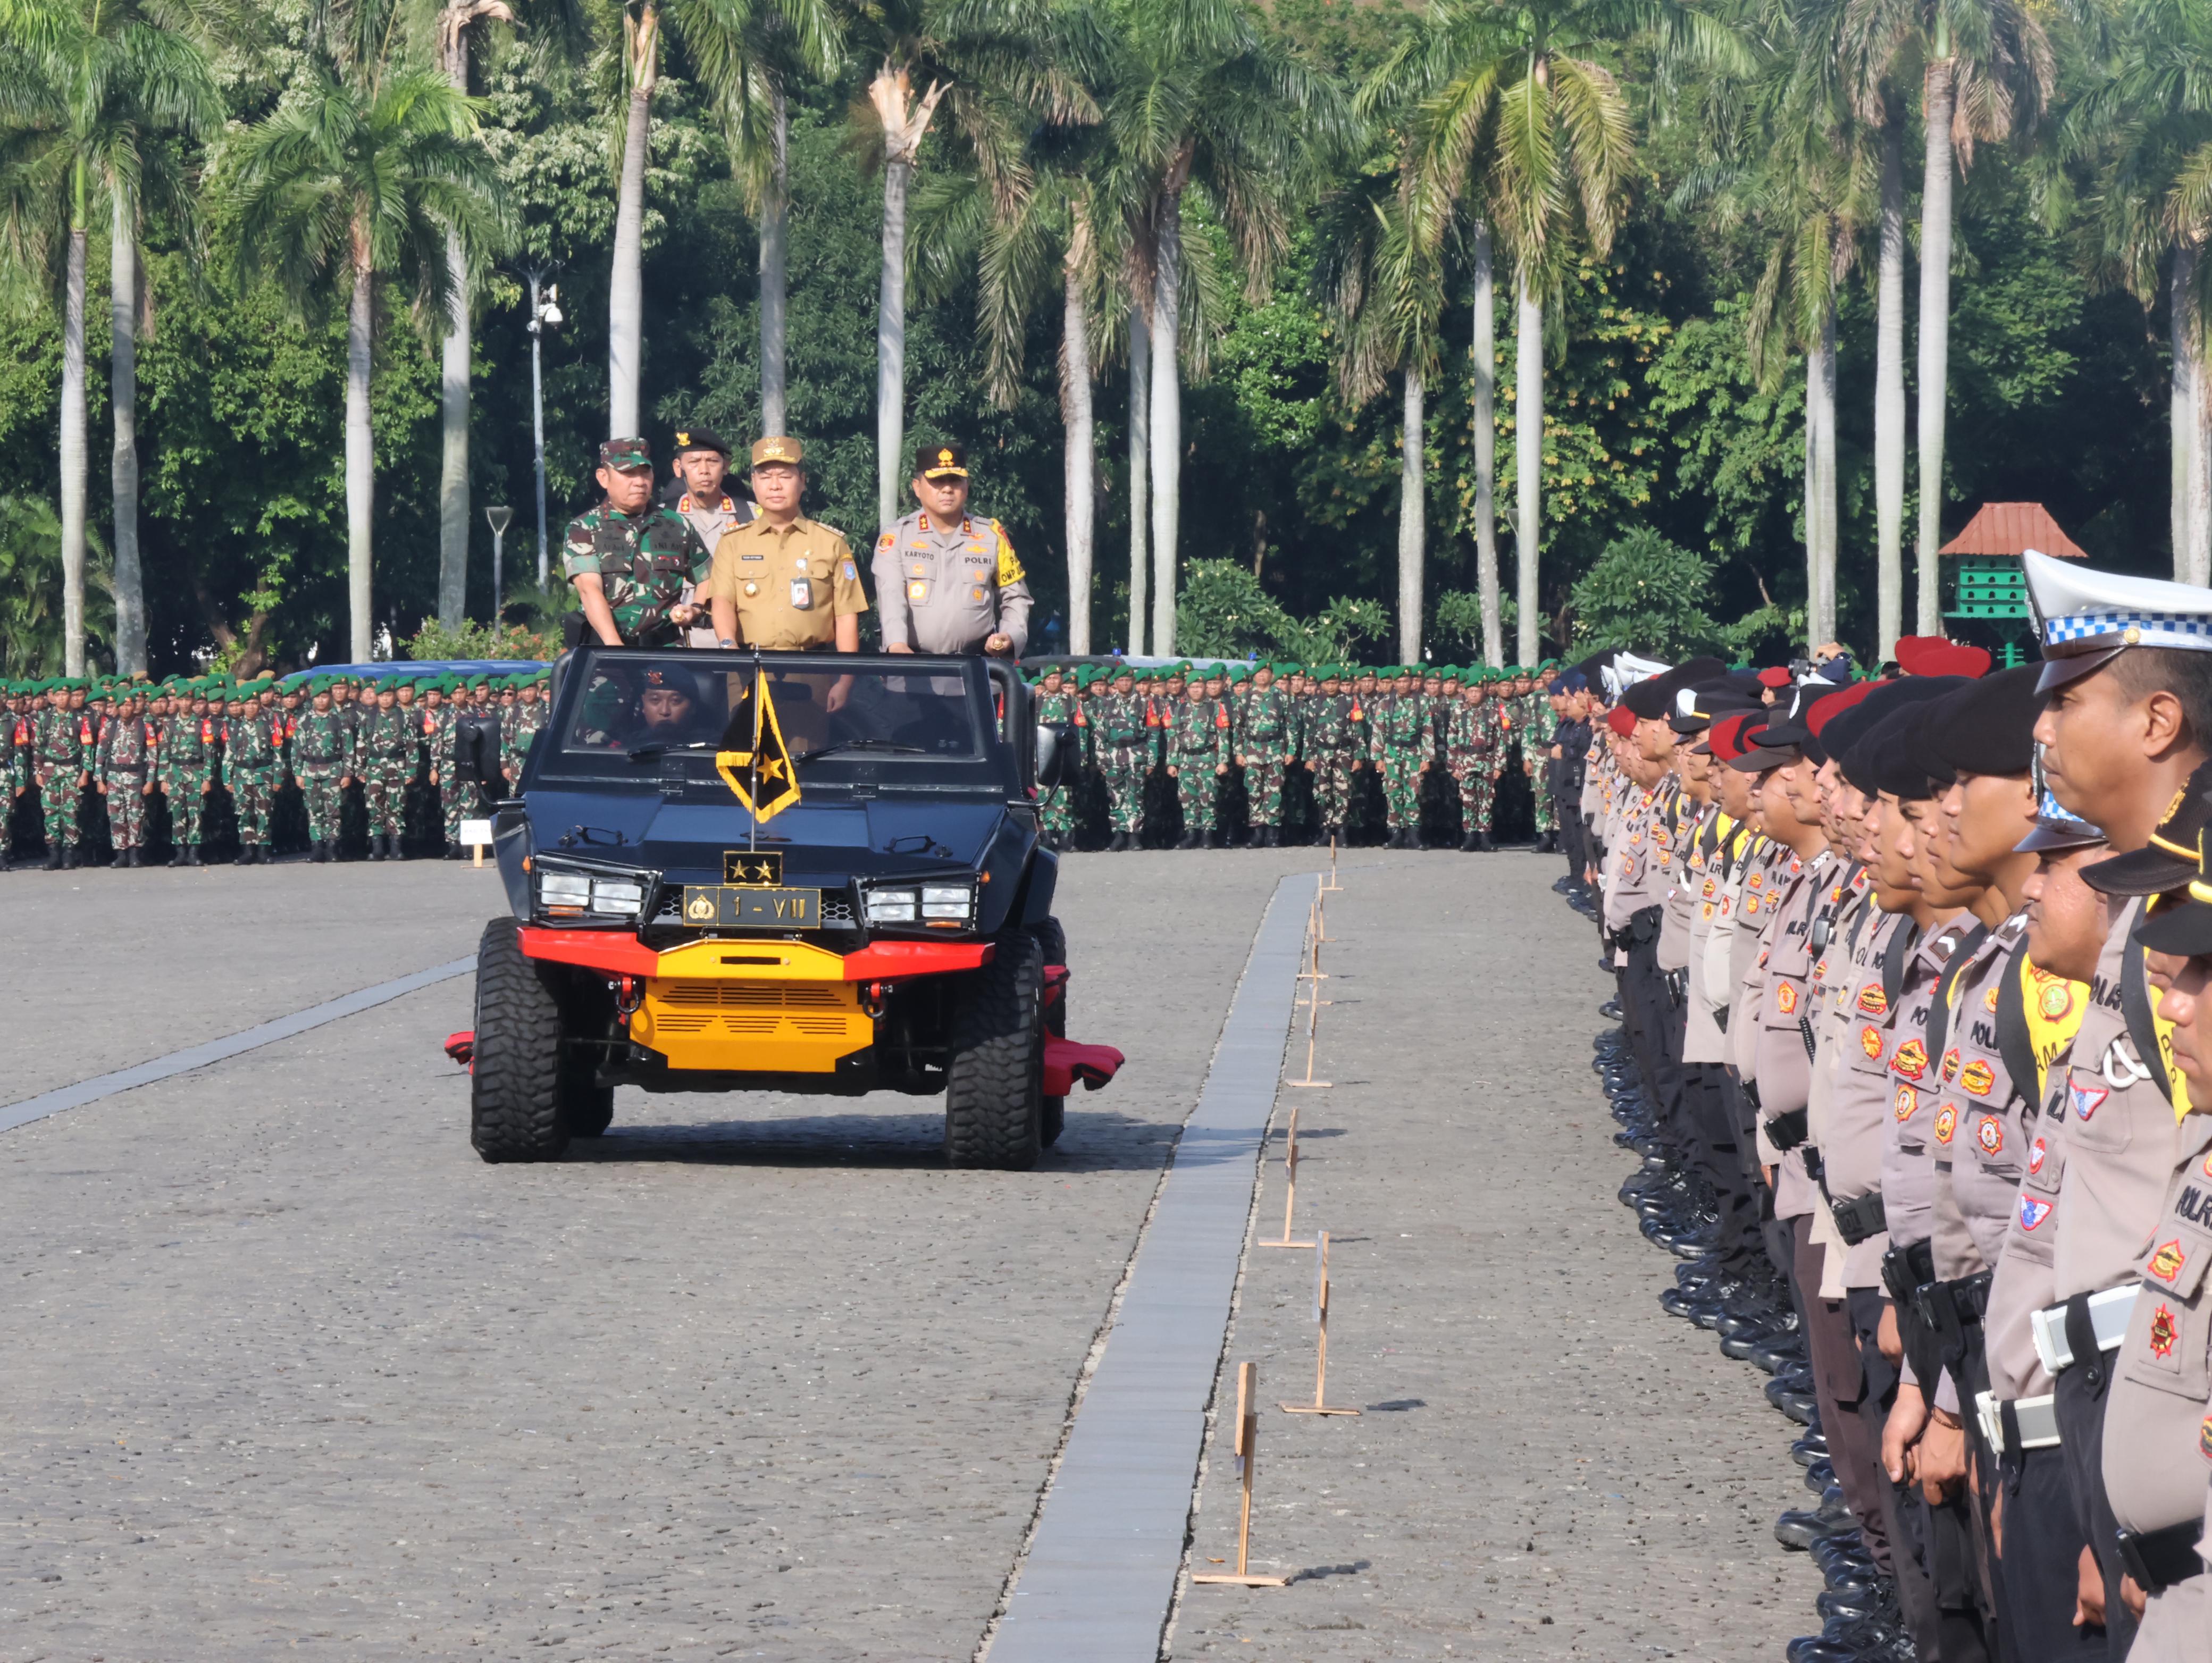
(1263, 790)
(319, 784)
(60, 797)
(1195, 786)
(1332, 778)
(1057, 811)
(1548, 812)
(251, 792)
(1478, 792)
(456, 803)
(187, 804)
(384, 788)
(126, 810)
(1401, 788)
(1124, 769)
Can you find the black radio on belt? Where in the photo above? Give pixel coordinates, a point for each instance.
(1787, 1131)
(2161, 1559)
(1860, 1219)
(1905, 1270)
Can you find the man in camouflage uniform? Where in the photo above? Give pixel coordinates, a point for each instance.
(63, 741)
(1470, 755)
(320, 750)
(1194, 735)
(123, 778)
(459, 800)
(518, 726)
(385, 760)
(187, 774)
(1266, 740)
(250, 758)
(1056, 703)
(1537, 719)
(1330, 756)
(15, 752)
(1401, 739)
(1125, 756)
(631, 563)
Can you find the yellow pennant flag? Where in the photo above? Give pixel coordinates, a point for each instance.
(760, 776)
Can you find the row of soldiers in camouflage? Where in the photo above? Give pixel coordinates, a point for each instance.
(1270, 720)
(127, 740)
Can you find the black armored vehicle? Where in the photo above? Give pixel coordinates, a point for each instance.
(797, 872)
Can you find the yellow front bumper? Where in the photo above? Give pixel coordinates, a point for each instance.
(771, 1007)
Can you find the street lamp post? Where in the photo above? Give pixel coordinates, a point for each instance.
(500, 519)
(544, 314)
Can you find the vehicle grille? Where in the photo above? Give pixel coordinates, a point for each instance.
(836, 912)
(671, 910)
(688, 1007)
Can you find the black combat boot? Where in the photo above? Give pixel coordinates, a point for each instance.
(319, 852)
(192, 855)
(1482, 841)
(1548, 843)
(70, 859)
(375, 847)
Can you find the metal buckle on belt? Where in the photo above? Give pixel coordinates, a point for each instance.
(2109, 1311)
(2034, 1420)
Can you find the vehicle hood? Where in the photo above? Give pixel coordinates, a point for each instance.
(824, 843)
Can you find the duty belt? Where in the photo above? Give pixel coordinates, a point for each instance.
(1906, 1270)
(2022, 1424)
(2158, 1559)
(1859, 1219)
(1786, 1131)
(2101, 1316)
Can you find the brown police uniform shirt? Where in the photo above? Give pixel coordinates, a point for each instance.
(789, 584)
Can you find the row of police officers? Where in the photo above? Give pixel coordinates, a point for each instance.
(1916, 1045)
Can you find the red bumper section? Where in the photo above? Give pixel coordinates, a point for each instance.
(1066, 1062)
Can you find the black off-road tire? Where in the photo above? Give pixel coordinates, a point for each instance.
(1052, 941)
(994, 1069)
(587, 1110)
(514, 1091)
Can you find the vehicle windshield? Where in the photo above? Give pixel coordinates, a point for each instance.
(643, 705)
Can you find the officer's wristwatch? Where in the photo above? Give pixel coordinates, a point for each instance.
(725, 641)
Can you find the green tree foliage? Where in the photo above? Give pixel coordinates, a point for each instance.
(31, 593)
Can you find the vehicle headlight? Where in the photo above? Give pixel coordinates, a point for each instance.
(939, 906)
(567, 893)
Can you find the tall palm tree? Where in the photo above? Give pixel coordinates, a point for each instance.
(1381, 275)
(1524, 90)
(738, 50)
(1986, 72)
(2147, 125)
(89, 88)
(455, 19)
(1203, 98)
(366, 173)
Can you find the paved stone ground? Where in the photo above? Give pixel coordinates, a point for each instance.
(1548, 1467)
(286, 1367)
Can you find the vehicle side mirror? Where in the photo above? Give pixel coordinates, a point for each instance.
(1056, 751)
(476, 751)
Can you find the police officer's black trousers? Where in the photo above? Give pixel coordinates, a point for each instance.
(2080, 1401)
(1902, 1517)
(2038, 1563)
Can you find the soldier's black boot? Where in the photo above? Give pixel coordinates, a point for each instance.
(70, 859)
(1548, 843)
(1482, 841)
(375, 848)
(192, 854)
(53, 855)
(319, 852)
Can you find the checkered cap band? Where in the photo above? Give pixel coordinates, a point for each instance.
(2151, 629)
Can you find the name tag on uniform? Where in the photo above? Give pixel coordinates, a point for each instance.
(802, 594)
(752, 556)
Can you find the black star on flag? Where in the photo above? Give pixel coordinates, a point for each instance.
(760, 775)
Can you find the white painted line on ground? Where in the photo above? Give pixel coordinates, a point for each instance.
(1108, 1543)
(215, 1051)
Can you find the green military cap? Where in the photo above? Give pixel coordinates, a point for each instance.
(1238, 672)
(623, 454)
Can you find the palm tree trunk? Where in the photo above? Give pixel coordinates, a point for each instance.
(1820, 484)
(1527, 463)
(1412, 532)
(1140, 448)
(359, 450)
(453, 463)
(73, 459)
(1935, 328)
(1483, 367)
(890, 340)
(775, 253)
(123, 466)
(1889, 389)
(1077, 460)
(1167, 421)
(2185, 401)
(626, 286)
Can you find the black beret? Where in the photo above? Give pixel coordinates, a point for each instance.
(1988, 725)
(700, 439)
(1653, 699)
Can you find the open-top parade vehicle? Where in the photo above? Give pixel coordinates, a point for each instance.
(782, 871)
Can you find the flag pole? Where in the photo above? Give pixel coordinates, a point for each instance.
(752, 808)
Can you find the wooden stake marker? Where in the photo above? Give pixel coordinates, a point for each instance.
(1320, 1404)
(1332, 884)
(1290, 1192)
(1313, 978)
(1248, 1440)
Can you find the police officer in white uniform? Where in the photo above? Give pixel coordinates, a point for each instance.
(948, 580)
